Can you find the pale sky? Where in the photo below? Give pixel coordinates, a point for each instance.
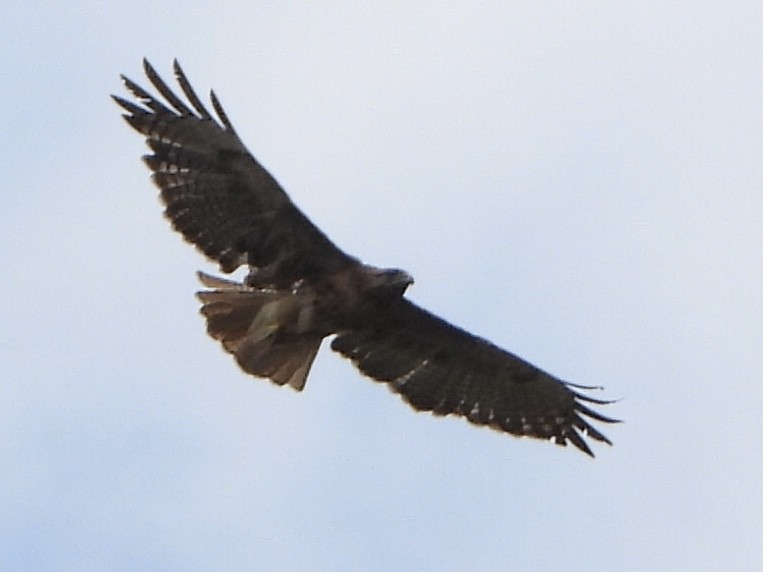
(580, 183)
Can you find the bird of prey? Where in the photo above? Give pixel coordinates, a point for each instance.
(301, 288)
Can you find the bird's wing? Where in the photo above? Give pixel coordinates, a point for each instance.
(438, 367)
(216, 194)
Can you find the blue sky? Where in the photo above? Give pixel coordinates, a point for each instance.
(579, 183)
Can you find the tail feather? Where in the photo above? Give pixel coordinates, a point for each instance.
(261, 329)
(281, 363)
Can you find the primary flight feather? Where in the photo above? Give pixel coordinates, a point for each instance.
(301, 288)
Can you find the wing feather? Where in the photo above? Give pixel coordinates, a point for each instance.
(168, 94)
(438, 367)
(215, 192)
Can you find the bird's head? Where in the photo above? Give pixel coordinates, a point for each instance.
(391, 282)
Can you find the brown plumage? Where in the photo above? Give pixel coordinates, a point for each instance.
(301, 288)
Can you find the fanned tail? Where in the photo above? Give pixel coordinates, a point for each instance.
(263, 329)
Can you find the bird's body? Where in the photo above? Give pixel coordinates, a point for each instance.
(301, 288)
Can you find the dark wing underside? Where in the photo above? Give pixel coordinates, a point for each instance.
(216, 194)
(440, 368)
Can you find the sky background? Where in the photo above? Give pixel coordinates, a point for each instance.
(579, 182)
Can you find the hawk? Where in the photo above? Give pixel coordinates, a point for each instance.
(301, 288)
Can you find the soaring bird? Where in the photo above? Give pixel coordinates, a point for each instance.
(301, 288)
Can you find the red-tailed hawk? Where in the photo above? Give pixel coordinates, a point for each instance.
(301, 288)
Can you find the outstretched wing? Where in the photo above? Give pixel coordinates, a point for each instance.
(438, 367)
(216, 194)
